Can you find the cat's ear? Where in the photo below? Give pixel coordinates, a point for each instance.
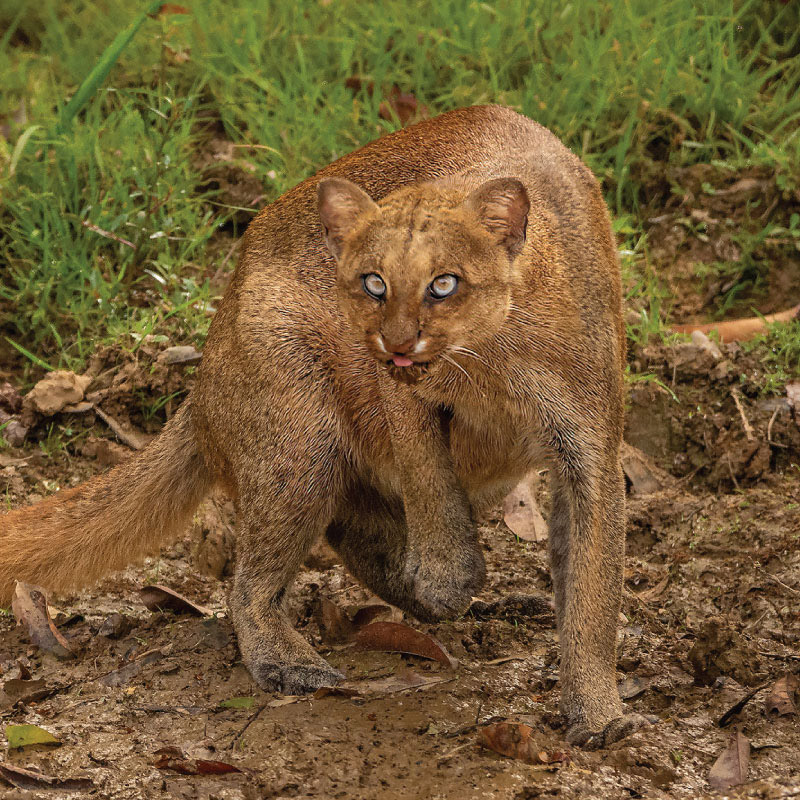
(502, 207)
(340, 204)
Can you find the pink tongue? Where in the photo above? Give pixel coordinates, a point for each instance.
(402, 361)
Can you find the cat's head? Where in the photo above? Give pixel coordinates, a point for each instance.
(425, 271)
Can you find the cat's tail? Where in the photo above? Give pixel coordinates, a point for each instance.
(74, 537)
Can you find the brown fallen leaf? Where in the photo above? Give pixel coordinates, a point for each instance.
(133, 440)
(730, 768)
(334, 625)
(741, 330)
(17, 690)
(394, 637)
(184, 355)
(56, 390)
(10, 398)
(364, 616)
(780, 699)
(169, 8)
(641, 473)
(173, 758)
(30, 780)
(521, 513)
(401, 681)
(29, 605)
(160, 598)
(403, 106)
(654, 592)
(514, 739)
(337, 627)
(335, 691)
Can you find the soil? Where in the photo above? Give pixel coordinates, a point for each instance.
(709, 618)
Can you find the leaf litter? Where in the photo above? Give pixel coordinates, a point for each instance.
(395, 637)
(29, 604)
(161, 598)
(730, 768)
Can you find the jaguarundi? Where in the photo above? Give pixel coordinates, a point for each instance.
(407, 334)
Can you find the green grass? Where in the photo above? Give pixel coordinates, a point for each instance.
(631, 86)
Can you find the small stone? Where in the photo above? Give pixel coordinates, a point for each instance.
(704, 343)
(14, 433)
(115, 626)
(184, 355)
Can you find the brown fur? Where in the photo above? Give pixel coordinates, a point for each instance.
(300, 414)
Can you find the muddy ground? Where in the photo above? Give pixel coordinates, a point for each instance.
(710, 616)
(710, 613)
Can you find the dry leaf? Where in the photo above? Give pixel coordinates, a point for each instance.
(522, 515)
(780, 700)
(401, 681)
(336, 627)
(632, 687)
(364, 616)
(57, 390)
(10, 398)
(182, 354)
(394, 637)
(513, 739)
(173, 758)
(642, 474)
(654, 592)
(403, 106)
(730, 768)
(335, 691)
(30, 780)
(160, 598)
(170, 8)
(29, 605)
(17, 690)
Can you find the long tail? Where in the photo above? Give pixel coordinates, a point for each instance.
(76, 536)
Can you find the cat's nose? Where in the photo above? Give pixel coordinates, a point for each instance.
(401, 348)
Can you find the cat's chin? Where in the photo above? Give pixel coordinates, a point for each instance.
(408, 375)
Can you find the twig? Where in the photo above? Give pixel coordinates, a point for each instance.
(108, 234)
(448, 756)
(251, 719)
(748, 428)
(126, 438)
(766, 574)
(730, 469)
(769, 430)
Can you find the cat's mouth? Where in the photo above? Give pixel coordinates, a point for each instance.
(407, 371)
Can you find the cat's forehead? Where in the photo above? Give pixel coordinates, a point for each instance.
(395, 250)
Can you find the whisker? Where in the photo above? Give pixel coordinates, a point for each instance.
(457, 366)
(467, 352)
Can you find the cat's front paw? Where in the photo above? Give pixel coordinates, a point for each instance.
(442, 587)
(294, 678)
(582, 735)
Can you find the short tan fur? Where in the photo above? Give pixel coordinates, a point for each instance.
(387, 420)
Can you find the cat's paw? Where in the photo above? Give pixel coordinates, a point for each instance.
(442, 587)
(582, 735)
(294, 678)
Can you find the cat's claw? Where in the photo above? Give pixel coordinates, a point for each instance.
(581, 735)
(294, 678)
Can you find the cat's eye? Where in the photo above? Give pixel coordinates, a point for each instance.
(373, 285)
(443, 286)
